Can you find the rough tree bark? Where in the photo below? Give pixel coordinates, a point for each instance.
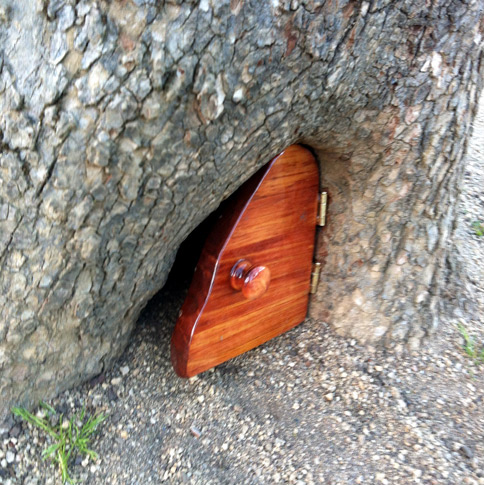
(125, 123)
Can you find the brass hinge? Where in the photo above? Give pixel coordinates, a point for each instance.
(323, 200)
(315, 277)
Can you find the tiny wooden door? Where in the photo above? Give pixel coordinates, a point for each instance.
(253, 278)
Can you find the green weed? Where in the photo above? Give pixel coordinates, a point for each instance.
(478, 228)
(471, 347)
(69, 437)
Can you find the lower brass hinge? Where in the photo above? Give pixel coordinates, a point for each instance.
(323, 200)
(315, 277)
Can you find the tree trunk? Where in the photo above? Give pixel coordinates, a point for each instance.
(125, 123)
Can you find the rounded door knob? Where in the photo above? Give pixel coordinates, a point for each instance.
(252, 280)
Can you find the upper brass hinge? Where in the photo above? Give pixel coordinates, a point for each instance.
(323, 200)
(315, 277)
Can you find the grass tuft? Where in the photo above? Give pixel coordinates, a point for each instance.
(70, 437)
(478, 228)
(470, 345)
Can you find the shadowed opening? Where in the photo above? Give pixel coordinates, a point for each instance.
(173, 293)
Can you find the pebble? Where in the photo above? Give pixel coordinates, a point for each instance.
(195, 431)
(15, 431)
(10, 457)
(124, 370)
(466, 451)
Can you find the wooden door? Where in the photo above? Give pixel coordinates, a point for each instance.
(253, 278)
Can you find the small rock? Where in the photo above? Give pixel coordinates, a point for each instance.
(116, 381)
(15, 431)
(10, 456)
(395, 392)
(238, 95)
(4, 14)
(465, 451)
(456, 446)
(417, 473)
(195, 431)
(111, 394)
(4, 463)
(124, 370)
(329, 396)
(279, 443)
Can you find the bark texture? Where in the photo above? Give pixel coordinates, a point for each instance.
(123, 124)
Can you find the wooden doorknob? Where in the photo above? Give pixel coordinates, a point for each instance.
(252, 280)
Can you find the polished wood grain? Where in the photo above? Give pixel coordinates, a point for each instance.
(270, 223)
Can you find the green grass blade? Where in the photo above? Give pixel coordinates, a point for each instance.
(63, 467)
(92, 454)
(50, 450)
(91, 425)
(35, 420)
(478, 228)
(47, 407)
(469, 343)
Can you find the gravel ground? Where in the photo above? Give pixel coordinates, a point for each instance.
(307, 407)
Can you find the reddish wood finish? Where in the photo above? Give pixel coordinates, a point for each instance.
(271, 222)
(252, 280)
